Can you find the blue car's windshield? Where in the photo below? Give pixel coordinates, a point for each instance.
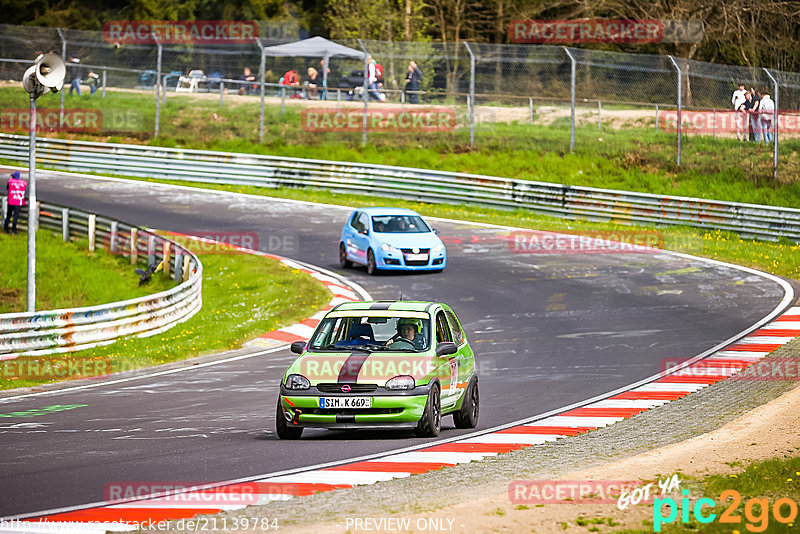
(371, 334)
(399, 224)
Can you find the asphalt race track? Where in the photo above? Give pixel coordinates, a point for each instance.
(549, 330)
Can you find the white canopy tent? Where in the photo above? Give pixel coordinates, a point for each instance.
(315, 47)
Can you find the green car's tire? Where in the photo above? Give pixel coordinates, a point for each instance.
(344, 263)
(284, 430)
(467, 416)
(431, 423)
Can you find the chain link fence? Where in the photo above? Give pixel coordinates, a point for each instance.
(567, 95)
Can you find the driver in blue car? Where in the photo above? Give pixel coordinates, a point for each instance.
(408, 335)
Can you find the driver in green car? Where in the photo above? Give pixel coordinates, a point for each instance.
(407, 334)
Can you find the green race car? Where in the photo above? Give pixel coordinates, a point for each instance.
(381, 364)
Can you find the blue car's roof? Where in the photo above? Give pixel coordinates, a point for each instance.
(388, 211)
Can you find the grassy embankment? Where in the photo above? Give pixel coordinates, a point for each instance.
(243, 296)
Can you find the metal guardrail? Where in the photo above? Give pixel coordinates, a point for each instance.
(68, 330)
(749, 220)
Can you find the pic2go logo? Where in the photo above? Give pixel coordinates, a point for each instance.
(756, 511)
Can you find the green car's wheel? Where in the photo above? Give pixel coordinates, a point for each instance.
(431, 423)
(372, 269)
(284, 430)
(344, 263)
(467, 416)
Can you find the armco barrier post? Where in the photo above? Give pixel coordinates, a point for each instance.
(112, 245)
(571, 100)
(165, 257)
(134, 245)
(92, 227)
(178, 266)
(151, 250)
(774, 127)
(680, 104)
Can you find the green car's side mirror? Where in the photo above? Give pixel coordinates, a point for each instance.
(445, 348)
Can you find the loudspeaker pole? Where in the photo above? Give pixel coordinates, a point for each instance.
(33, 210)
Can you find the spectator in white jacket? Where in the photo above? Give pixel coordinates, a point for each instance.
(767, 109)
(738, 101)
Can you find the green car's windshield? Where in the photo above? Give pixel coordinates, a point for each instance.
(372, 333)
(399, 224)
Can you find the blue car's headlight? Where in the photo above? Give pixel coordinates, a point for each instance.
(297, 382)
(386, 247)
(438, 248)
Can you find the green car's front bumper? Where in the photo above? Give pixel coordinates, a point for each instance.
(402, 409)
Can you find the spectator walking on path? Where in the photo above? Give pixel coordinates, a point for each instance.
(77, 75)
(413, 79)
(767, 109)
(17, 193)
(738, 100)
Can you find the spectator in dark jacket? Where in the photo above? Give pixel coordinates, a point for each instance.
(413, 79)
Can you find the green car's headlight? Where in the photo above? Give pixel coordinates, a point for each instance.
(297, 382)
(386, 247)
(400, 382)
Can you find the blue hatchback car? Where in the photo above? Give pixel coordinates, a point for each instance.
(390, 239)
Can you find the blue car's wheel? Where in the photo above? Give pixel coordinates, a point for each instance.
(372, 269)
(344, 263)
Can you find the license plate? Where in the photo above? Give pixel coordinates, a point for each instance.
(330, 403)
(416, 257)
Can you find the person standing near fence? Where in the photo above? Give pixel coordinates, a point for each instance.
(77, 75)
(767, 110)
(738, 101)
(413, 79)
(755, 124)
(17, 193)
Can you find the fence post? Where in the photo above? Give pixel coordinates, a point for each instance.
(92, 227)
(165, 257)
(262, 72)
(158, 87)
(365, 94)
(599, 115)
(656, 117)
(3, 207)
(103, 93)
(680, 105)
(530, 109)
(64, 59)
(571, 100)
(151, 250)
(471, 95)
(178, 266)
(774, 127)
(221, 92)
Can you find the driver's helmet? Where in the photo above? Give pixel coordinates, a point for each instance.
(406, 321)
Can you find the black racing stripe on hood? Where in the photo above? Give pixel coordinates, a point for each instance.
(352, 366)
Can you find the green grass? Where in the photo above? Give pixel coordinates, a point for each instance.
(67, 274)
(243, 297)
(773, 479)
(636, 158)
